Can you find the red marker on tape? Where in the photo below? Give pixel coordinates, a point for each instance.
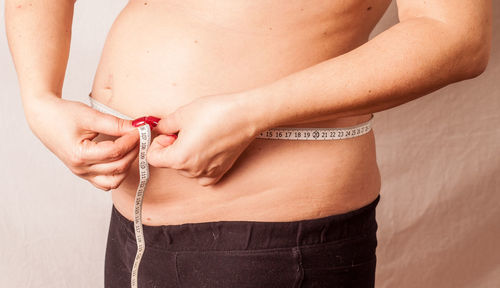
(151, 121)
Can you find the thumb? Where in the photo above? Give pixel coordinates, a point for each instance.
(160, 151)
(106, 124)
(168, 125)
(164, 140)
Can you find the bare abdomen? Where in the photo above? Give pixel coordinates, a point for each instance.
(162, 55)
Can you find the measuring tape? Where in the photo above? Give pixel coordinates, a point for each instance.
(145, 124)
(280, 133)
(294, 133)
(145, 140)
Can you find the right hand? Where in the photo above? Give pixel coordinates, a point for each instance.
(68, 128)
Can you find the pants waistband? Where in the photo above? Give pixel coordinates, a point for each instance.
(254, 235)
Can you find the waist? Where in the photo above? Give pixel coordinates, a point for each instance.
(307, 178)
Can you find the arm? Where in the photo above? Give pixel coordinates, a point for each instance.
(39, 35)
(437, 42)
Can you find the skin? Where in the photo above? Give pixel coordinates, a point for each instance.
(218, 79)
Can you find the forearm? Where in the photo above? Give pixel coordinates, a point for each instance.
(409, 60)
(39, 35)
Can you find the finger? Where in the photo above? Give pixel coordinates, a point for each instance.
(99, 186)
(185, 174)
(106, 123)
(108, 182)
(162, 152)
(202, 179)
(208, 181)
(106, 151)
(116, 167)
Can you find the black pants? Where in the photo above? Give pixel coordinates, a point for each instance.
(334, 251)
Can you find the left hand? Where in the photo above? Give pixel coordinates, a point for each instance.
(212, 133)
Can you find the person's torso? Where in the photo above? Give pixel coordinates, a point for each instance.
(160, 55)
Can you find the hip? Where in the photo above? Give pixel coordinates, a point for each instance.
(331, 251)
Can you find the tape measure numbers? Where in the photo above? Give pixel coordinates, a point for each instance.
(293, 133)
(145, 141)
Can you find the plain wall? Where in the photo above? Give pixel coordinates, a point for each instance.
(439, 156)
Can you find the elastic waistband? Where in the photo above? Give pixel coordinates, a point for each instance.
(253, 235)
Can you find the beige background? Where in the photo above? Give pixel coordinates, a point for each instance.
(439, 215)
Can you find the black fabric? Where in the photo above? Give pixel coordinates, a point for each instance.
(333, 251)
